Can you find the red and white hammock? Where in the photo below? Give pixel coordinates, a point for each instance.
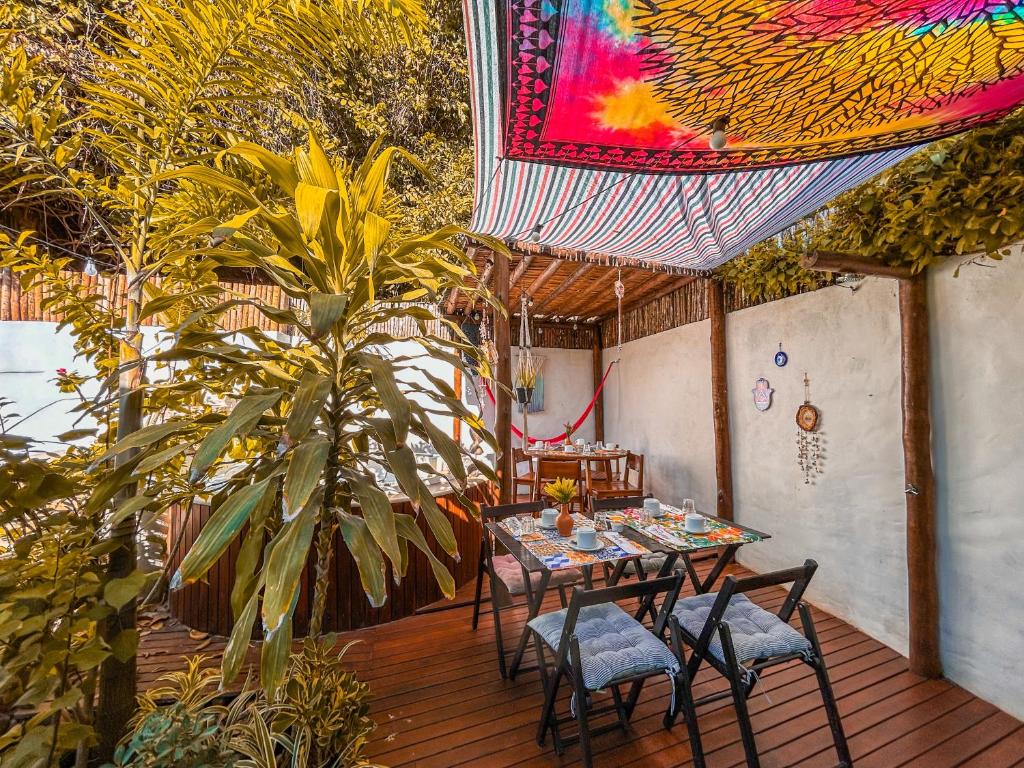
(576, 425)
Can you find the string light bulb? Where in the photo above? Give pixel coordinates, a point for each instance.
(719, 138)
(535, 234)
(90, 268)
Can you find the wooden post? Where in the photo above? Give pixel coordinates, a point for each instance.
(456, 421)
(720, 398)
(598, 373)
(922, 577)
(503, 390)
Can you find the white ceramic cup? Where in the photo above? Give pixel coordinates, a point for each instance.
(569, 448)
(586, 537)
(547, 516)
(696, 523)
(652, 508)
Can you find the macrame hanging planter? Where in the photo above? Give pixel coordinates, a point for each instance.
(527, 369)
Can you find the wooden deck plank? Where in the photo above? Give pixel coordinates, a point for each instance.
(439, 702)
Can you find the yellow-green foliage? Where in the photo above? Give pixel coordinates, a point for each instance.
(956, 197)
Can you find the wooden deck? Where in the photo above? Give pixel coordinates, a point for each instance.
(439, 701)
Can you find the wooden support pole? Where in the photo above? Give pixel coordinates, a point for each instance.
(598, 374)
(720, 398)
(922, 576)
(503, 390)
(456, 421)
(826, 261)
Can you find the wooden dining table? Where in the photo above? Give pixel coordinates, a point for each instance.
(594, 454)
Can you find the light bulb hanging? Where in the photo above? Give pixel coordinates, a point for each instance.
(719, 137)
(535, 234)
(90, 268)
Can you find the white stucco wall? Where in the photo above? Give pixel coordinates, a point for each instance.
(658, 402)
(978, 435)
(568, 387)
(852, 518)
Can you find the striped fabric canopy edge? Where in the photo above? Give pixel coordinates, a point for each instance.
(694, 221)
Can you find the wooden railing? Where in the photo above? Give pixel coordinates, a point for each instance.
(206, 606)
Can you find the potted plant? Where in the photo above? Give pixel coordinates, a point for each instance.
(562, 491)
(525, 378)
(569, 429)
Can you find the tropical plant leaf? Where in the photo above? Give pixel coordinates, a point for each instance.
(368, 558)
(305, 468)
(287, 558)
(218, 533)
(242, 418)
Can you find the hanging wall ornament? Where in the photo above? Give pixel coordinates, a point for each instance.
(781, 358)
(762, 394)
(808, 440)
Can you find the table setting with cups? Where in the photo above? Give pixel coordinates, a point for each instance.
(591, 542)
(683, 528)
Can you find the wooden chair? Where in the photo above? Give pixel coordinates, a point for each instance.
(522, 478)
(630, 484)
(595, 646)
(507, 577)
(549, 470)
(719, 638)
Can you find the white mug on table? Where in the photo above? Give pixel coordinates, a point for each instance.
(586, 537)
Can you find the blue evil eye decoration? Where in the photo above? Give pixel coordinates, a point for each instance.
(781, 358)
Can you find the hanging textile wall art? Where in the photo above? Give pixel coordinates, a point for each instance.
(636, 84)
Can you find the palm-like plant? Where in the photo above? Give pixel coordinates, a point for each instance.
(321, 414)
(165, 85)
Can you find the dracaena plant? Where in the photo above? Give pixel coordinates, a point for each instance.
(320, 414)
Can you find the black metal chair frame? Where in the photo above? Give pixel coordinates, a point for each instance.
(742, 679)
(568, 664)
(486, 565)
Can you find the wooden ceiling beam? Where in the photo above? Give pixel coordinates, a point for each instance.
(565, 285)
(520, 269)
(543, 277)
(829, 261)
(659, 291)
(576, 306)
(639, 280)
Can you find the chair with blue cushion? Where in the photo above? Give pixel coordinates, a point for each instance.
(740, 639)
(596, 645)
(507, 577)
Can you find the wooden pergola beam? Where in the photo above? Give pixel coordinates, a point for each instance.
(543, 277)
(660, 291)
(520, 269)
(575, 306)
(828, 261)
(562, 288)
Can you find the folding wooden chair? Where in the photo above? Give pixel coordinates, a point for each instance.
(605, 486)
(549, 470)
(740, 639)
(597, 645)
(507, 577)
(526, 478)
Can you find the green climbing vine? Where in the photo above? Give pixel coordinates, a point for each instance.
(957, 197)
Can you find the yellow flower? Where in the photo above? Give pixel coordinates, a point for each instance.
(563, 490)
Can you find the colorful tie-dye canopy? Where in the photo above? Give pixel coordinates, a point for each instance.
(593, 116)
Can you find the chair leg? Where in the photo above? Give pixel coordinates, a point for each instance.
(550, 683)
(479, 588)
(581, 701)
(499, 639)
(620, 707)
(561, 596)
(739, 697)
(684, 697)
(835, 724)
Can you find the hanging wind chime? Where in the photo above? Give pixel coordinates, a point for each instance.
(620, 291)
(808, 440)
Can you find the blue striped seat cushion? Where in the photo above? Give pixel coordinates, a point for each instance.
(510, 573)
(613, 645)
(756, 633)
